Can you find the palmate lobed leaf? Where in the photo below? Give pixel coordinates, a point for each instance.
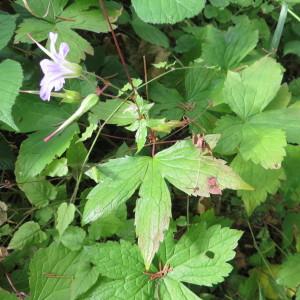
(201, 256)
(183, 165)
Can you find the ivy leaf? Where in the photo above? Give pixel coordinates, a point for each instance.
(63, 275)
(29, 233)
(153, 207)
(65, 216)
(289, 273)
(11, 78)
(249, 92)
(35, 154)
(263, 181)
(170, 289)
(8, 25)
(228, 49)
(202, 254)
(264, 146)
(160, 11)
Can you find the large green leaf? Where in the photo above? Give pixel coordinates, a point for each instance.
(289, 273)
(184, 165)
(264, 146)
(170, 289)
(124, 265)
(228, 49)
(64, 274)
(11, 78)
(124, 175)
(153, 212)
(167, 11)
(29, 233)
(79, 15)
(202, 254)
(8, 25)
(263, 181)
(35, 154)
(32, 114)
(189, 169)
(250, 91)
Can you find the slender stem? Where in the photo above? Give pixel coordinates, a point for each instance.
(294, 15)
(74, 195)
(121, 56)
(279, 28)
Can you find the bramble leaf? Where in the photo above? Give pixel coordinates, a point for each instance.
(250, 91)
(228, 49)
(8, 25)
(161, 11)
(11, 77)
(264, 146)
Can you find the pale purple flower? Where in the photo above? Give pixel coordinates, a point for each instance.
(56, 69)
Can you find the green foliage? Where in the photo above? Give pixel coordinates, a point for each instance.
(10, 82)
(160, 11)
(165, 164)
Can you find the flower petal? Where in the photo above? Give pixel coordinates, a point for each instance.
(45, 91)
(63, 50)
(53, 39)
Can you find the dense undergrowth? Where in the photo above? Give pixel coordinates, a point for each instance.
(149, 149)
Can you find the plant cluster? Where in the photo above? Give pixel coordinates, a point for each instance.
(149, 149)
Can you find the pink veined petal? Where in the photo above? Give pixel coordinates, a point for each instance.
(63, 50)
(53, 39)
